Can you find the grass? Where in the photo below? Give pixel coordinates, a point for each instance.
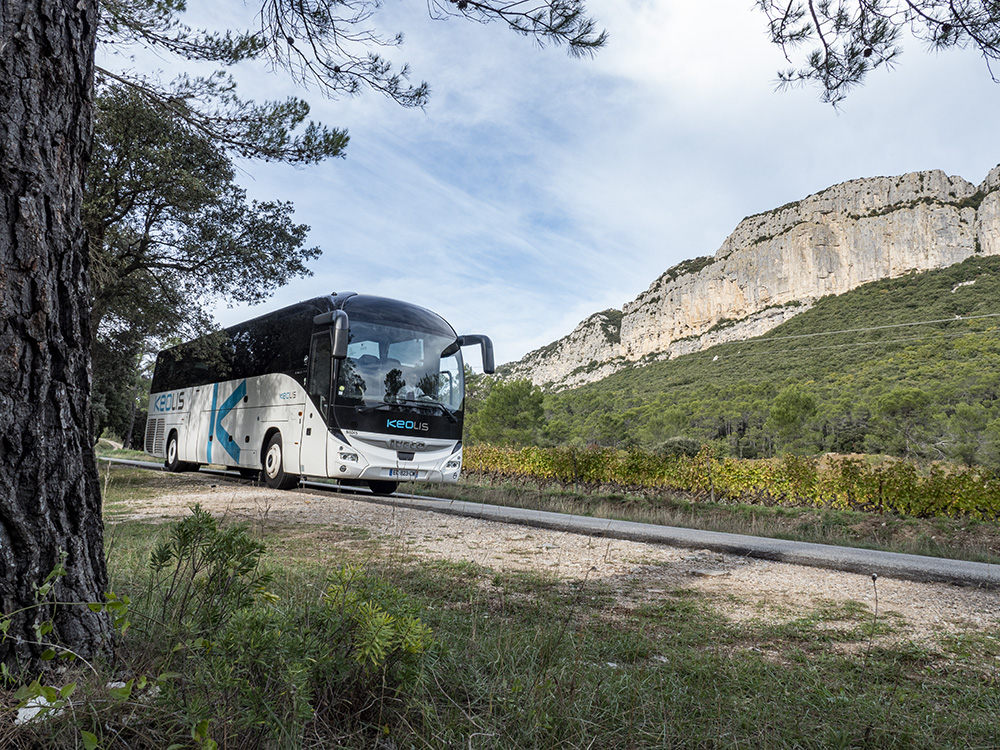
(107, 449)
(120, 483)
(522, 660)
(955, 538)
(530, 662)
(724, 395)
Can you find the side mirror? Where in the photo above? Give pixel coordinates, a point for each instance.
(341, 328)
(487, 349)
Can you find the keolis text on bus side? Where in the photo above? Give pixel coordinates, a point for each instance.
(169, 402)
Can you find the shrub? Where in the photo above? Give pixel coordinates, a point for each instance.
(679, 446)
(213, 658)
(895, 486)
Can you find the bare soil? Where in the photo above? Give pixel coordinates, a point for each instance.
(739, 588)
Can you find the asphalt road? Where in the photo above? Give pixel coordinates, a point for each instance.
(850, 559)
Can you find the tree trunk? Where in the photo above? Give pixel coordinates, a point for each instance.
(50, 502)
(134, 405)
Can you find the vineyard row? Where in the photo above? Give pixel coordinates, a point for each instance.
(892, 486)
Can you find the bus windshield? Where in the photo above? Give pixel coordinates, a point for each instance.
(394, 365)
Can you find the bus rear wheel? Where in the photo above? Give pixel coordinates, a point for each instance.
(173, 462)
(382, 487)
(274, 472)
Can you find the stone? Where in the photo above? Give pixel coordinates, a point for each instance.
(775, 265)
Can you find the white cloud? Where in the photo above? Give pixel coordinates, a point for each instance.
(536, 189)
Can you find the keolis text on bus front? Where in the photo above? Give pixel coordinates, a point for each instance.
(406, 424)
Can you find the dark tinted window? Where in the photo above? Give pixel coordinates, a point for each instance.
(205, 360)
(277, 343)
(269, 345)
(391, 312)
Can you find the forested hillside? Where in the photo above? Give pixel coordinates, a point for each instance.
(908, 367)
(775, 265)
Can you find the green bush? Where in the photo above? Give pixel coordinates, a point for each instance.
(679, 446)
(275, 671)
(894, 486)
(203, 574)
(211, 658)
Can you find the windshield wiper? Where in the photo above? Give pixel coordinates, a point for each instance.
(373, 407)
(410, 402)
(420, 402)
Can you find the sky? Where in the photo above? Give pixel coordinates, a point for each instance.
(535, 188)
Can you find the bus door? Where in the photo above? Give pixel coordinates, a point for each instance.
(316, 410)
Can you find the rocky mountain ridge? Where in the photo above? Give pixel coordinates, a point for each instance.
(777, 264)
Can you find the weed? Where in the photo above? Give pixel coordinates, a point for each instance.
(403, 653)
(960, 538)
(207, 654)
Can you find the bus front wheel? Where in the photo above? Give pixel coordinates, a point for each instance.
(274, 472)
(381, 487)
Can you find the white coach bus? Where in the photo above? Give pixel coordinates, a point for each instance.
(349, 386)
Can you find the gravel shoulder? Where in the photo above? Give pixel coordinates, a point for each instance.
(739, 588)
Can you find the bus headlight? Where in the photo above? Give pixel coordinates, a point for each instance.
(453, 464)
(352, 457)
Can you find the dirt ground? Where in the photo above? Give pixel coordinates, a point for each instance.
(739, 588)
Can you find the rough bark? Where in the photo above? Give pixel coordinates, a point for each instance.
(50, 501)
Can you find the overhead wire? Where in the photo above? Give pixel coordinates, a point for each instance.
(843, 346)
(956, 319)
(883, 342)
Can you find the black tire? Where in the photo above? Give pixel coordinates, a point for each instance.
(274, 471)
(173, 463)
(251, 474)
(380, 487)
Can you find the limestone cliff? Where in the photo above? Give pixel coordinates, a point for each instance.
(775, 265)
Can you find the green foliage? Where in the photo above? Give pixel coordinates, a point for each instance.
(512, 414)
(169, 228)
(170, 232)
(214, 655)
(686, 268)
(274, 670)
(518, 659)
(380, 638)
(535, 662)
(678, 446)
(477, 388)
(903, 425)
(848, 40)
(203, 574)
(789, 411)
(893, 486)
(791, 407)
(824, 381)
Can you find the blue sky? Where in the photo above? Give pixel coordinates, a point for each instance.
(535, 189)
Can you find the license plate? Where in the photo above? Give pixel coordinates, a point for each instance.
(403, 473)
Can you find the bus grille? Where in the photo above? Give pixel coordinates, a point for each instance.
(154, 437)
